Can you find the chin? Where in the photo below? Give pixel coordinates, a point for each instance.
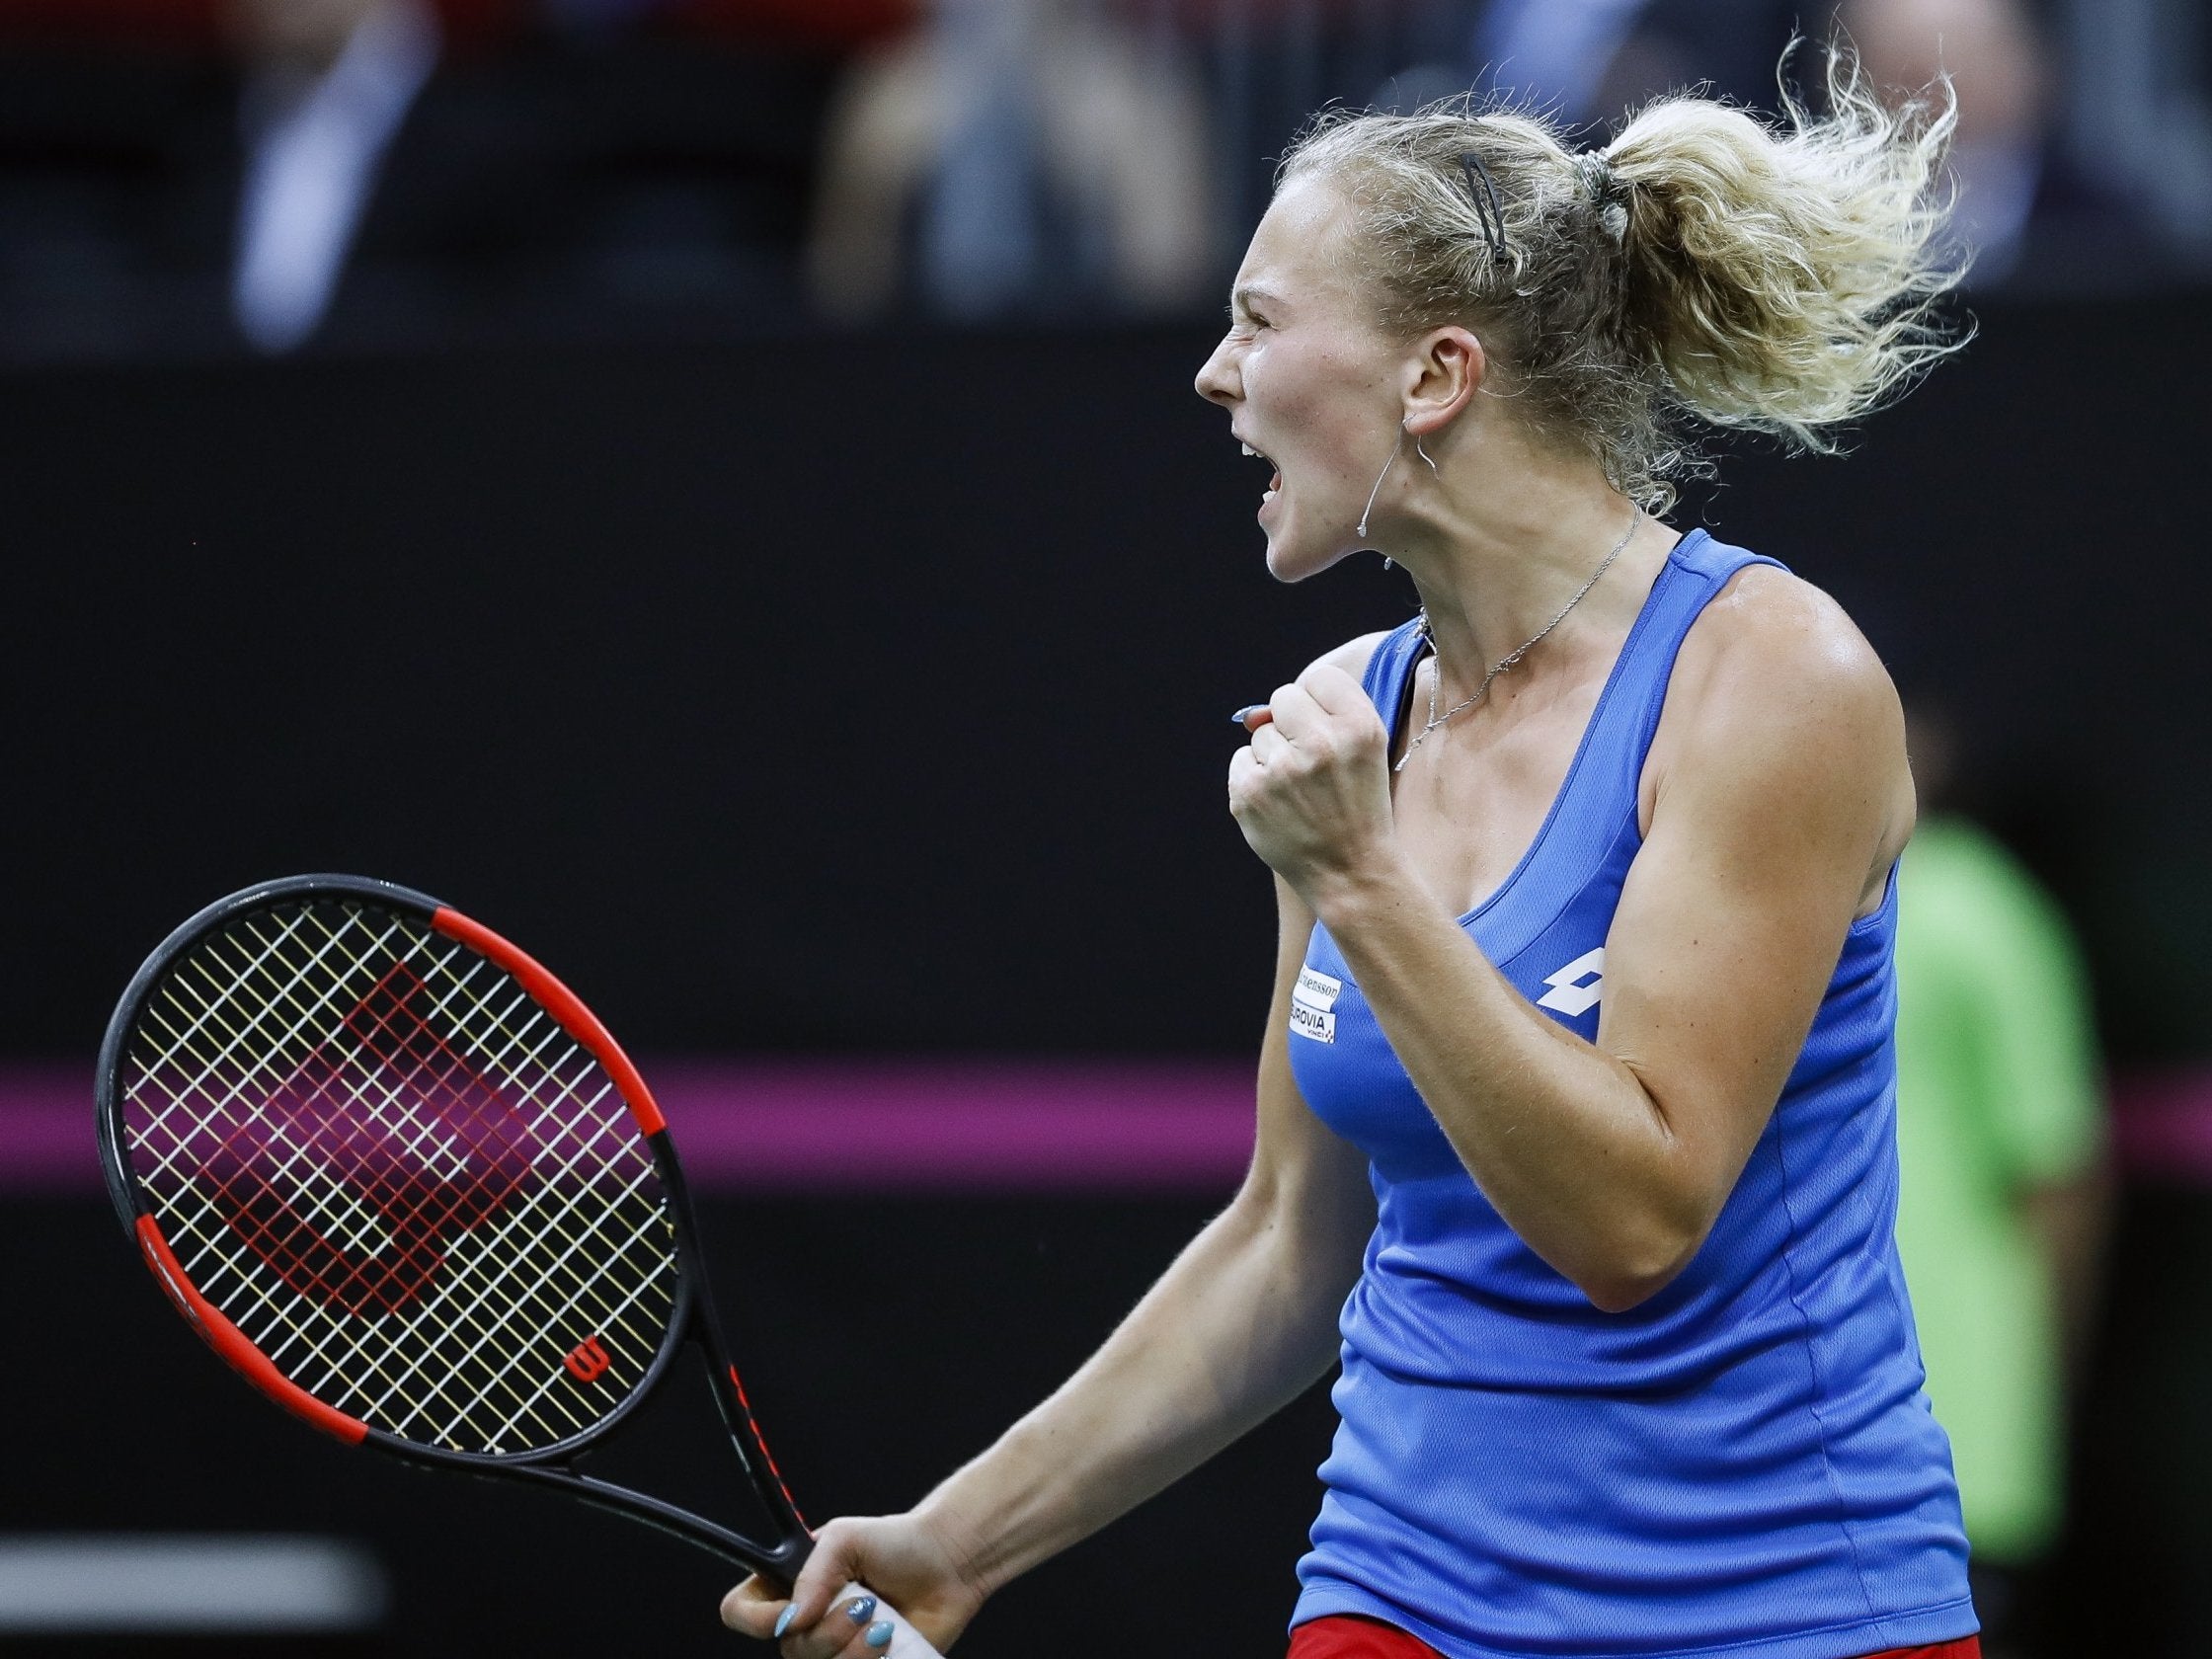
(1287, 561)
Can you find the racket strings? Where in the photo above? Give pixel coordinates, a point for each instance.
(428, 1229)
(306, 1173)
(394, 1384)
(402, 1389)
(403, 1183)
(475, 1350)
(402, 1180)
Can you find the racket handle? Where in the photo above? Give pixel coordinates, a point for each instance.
(906, 1642)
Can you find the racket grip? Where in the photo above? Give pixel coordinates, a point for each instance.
(906, 1642)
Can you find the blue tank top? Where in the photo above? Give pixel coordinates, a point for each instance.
(1744, 1464)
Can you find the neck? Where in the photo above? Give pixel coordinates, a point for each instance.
(1494, 565)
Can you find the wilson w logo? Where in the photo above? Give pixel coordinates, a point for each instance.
(1576, 988)
(588, 1360)
(371, 1159)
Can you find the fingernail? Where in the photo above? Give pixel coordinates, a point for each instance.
(783, 1622)
(1243, 716)
(879, 1633)
(861, 1611)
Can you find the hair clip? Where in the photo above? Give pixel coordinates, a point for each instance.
(1488, 211)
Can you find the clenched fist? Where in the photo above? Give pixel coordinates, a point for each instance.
(1311, 790)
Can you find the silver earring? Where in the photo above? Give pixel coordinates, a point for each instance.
(1360, 530)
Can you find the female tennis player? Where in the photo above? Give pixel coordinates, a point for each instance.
(1575, 1140)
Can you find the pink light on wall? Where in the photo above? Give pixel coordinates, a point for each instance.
(937, 1126)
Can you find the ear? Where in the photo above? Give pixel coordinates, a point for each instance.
(1442, 376)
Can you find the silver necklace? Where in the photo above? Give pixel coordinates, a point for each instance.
(1512, 656)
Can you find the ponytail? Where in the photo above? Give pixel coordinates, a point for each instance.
(1707, 265)
(1782, 279)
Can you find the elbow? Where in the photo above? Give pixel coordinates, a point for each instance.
(1624, 1292)
(1648, 1230)
(1304, 1238)
(1632, 1272)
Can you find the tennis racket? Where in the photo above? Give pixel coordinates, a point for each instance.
(403, 1181)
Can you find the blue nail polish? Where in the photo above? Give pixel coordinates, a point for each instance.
(861, 1611)
(1244, 714)
(879, 1633)
(783, 1620)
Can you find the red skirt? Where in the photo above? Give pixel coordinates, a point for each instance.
(1341, 1637)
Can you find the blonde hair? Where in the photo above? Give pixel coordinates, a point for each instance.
(1704, 265)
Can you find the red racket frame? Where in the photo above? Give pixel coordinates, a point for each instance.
(692, 1319)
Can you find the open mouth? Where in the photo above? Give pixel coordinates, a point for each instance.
(1275, 483)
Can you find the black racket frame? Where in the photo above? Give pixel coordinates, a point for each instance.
(691, 1321)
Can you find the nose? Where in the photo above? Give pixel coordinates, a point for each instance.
(1218, 379)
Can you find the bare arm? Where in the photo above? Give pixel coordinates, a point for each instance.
(1240, 1324)
(1782, 795)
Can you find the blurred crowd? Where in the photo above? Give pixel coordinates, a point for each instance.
(263, 175)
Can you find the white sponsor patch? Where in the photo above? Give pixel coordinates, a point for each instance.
(1312, 1000)
(1576, 988)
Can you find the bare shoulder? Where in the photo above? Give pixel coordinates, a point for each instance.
(1353, 655)
(1776, 681)
(1772, 647)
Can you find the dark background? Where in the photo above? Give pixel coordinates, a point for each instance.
(870, 691)
(860, 1328)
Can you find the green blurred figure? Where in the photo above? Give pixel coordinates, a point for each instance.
(2002, 1198)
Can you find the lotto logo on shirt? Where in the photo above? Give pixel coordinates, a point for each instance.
(1576, 988)
(1314, 1003)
